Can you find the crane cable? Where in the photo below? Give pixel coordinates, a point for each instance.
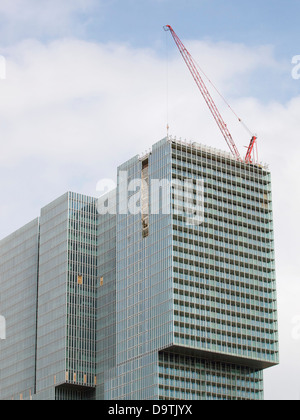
(223, 98)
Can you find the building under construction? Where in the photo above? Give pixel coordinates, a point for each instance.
(176, 304)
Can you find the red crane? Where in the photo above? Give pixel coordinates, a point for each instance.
(250, 150)
(208, 99)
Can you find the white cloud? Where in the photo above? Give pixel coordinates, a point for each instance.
(228, 62)
(72, 86)
(30, 18)
(71, 111)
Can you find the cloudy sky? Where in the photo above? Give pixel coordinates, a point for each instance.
(90, 83)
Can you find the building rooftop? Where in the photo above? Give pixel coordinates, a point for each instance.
(211, 150)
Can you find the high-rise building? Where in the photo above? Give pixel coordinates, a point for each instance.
(196, 299)
(50, 292)
(169, 293)
(67, 296)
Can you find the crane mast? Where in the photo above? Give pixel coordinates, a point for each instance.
(208, 99)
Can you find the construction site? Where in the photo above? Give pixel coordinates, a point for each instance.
(176, 305)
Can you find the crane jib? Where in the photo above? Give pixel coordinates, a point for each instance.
(209, 101)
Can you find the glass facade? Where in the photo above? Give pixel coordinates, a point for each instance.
(169, 293)
(224, 268)
(106, 293)
(58, 282)
(18, 304)
(66, 339)
(144, 278)
(184, 377)
(82, 290)
(195, 285)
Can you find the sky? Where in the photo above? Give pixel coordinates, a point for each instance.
(90, 83)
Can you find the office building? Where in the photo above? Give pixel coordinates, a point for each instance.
(169, 294)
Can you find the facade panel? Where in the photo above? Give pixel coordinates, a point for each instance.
(106, 292)
(66, 337)
(144, 276)
(184, 377)
(18, 305)
(224, 270)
